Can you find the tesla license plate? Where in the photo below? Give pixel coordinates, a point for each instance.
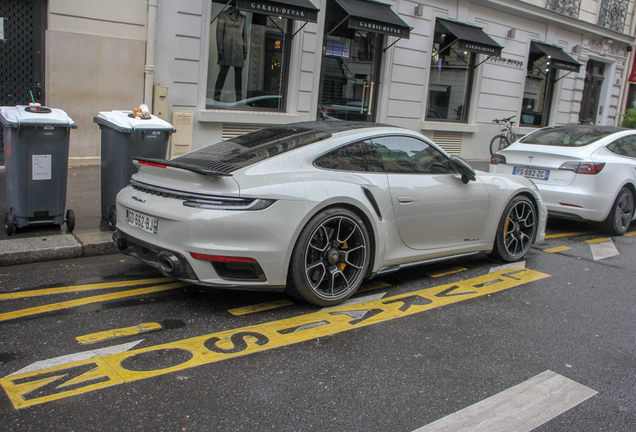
(141, 221)
(531, 173)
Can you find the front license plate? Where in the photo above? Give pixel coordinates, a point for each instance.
(141, 221)
(531, 173)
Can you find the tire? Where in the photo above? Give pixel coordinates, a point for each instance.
(498, 142)
(9, 222)
(516, 231)
(70, 220)
(621, 214)
(330, 259)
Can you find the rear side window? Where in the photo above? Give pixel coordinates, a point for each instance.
(359, 156)
(625, 146)
(407, 155)
(569, 136)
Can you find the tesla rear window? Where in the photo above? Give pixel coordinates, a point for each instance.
(569, 136)
(254, 147)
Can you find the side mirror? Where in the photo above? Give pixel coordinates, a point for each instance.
(461, 167)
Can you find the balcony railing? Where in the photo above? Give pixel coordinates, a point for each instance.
(566, 7)
(612, 14)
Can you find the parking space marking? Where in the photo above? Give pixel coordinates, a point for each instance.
(598, 240)
(557, 249)
(88, 300)
(631, 233)
(446, 272)
(603, 250)
(77, 288)
(561, 235)
(59, 382)
(260, 307)
(521, 408)
(118, 333)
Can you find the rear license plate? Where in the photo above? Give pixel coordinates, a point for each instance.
(141, 221)
(531, 173)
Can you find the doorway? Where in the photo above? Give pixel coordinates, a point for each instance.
(591, 92)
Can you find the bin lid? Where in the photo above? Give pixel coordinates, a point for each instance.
(123, 121)
(24, 115)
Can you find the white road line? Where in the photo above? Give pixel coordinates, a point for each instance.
(603, 250)
(357, 300)
(521, 408)
(521, 264)
(70, 358)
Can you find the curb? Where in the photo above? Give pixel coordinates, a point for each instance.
(37, 249)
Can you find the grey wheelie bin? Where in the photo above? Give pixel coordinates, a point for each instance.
(125, 136)
(36, 142)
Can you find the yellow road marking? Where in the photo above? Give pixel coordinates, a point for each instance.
(118, 333)
(446, 272)
(58, 382)
(553, 236)
(631, 233)
(58, 290)
(556, 249)
(372, 286)
(87, 300)
(260, 307)
(598, 240)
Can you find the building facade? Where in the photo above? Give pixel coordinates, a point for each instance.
(219, 68)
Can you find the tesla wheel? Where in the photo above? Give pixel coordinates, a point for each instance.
(9, 222)
(330, 258)
(516, 230)
(621, 214)
(498, 143)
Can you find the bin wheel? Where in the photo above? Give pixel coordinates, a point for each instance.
(112, 219)
(70, 220)
(9, 222)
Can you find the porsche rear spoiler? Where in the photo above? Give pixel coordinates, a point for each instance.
(194, 165)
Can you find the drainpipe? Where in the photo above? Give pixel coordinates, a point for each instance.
(149, 68)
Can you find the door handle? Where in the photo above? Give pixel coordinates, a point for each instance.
(406, 199)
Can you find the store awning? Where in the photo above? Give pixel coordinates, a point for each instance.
(301, 10)
(374, 17)
(471, 38)
(558, 58)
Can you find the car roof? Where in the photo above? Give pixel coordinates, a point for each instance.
(330, 126)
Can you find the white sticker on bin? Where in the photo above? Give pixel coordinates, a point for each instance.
(41, 167)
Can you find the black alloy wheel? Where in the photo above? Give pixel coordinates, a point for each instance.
(516, 230)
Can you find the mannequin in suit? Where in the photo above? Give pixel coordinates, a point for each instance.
(231, 40)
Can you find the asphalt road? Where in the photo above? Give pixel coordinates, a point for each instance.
(150, 354)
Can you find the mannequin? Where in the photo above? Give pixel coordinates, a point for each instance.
(231, 41)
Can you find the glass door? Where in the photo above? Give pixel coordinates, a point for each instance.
(349, 84)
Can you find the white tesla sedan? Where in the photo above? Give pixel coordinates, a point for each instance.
(583, 172)
(317, 207)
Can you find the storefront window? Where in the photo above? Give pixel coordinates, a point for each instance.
(537, 92)
(249, 57)
(450, 80)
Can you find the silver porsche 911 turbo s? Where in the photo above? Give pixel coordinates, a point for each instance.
(315, 208)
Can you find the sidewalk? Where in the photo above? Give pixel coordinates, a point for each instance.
(91, 235)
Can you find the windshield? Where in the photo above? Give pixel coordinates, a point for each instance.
(569, 136)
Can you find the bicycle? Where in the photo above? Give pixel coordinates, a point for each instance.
(505, 138)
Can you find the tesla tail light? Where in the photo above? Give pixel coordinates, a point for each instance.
(497, 159)
(583, 167)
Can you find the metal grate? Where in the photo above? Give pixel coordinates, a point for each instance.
(612, 14)
(450, 142)
(233, 130)
(21, 54)
(565, 7)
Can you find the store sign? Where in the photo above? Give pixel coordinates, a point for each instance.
(378, 27)
(282, 10)
(566, 66)
(479, 48)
